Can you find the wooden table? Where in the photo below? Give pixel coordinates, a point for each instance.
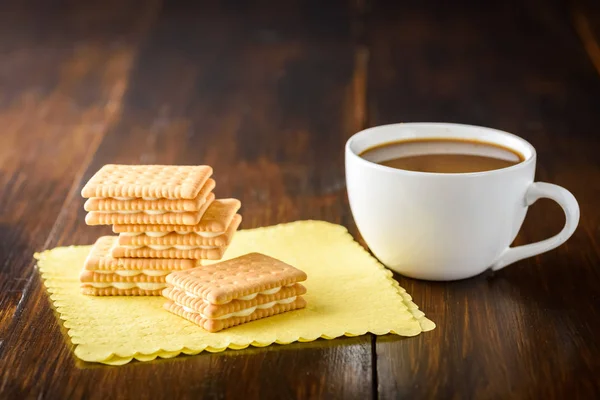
(267, 93)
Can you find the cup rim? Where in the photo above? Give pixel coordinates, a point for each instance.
(523, 164)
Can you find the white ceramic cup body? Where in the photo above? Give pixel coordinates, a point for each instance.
(439, 226)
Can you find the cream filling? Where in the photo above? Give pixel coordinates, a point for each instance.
(147, 212)
(178, 247)
(128, 285)
(249, 297)
(153, 272)
(149, 272)
(253, 295)
(203, 234)
(161, 234)
(132, 198)
(155, 234)
(157, 212)
(242, 313)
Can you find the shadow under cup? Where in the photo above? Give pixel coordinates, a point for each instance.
(437, 226)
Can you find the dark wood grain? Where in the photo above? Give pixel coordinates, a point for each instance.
(267, 93)
(59, 94)
(530, 330)
(585, 15)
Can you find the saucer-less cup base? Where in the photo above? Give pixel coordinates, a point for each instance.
(439, 226)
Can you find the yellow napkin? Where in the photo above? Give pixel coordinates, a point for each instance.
(348, 293)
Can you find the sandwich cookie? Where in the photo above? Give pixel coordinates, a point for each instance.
(177, 246)
(148, 194)
(219, 239)
(104, 275)
(111, 204)
(234, 292)
(214, 222)
(149, 216)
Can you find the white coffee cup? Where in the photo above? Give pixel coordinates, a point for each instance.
(447, 226)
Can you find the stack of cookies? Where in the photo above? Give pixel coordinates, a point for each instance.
(167, 219)
(234, 292)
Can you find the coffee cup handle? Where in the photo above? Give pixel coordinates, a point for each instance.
(570, 207)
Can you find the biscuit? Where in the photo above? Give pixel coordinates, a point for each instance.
(154, 181)
(182, 239)
(111, 291)
(142, 217)
(100, 259)
(195, 253)
(217, 218)
(215, 311)
(101, 277)
(215, 325)
(142, 286)
(139, 204)
(222, 282)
